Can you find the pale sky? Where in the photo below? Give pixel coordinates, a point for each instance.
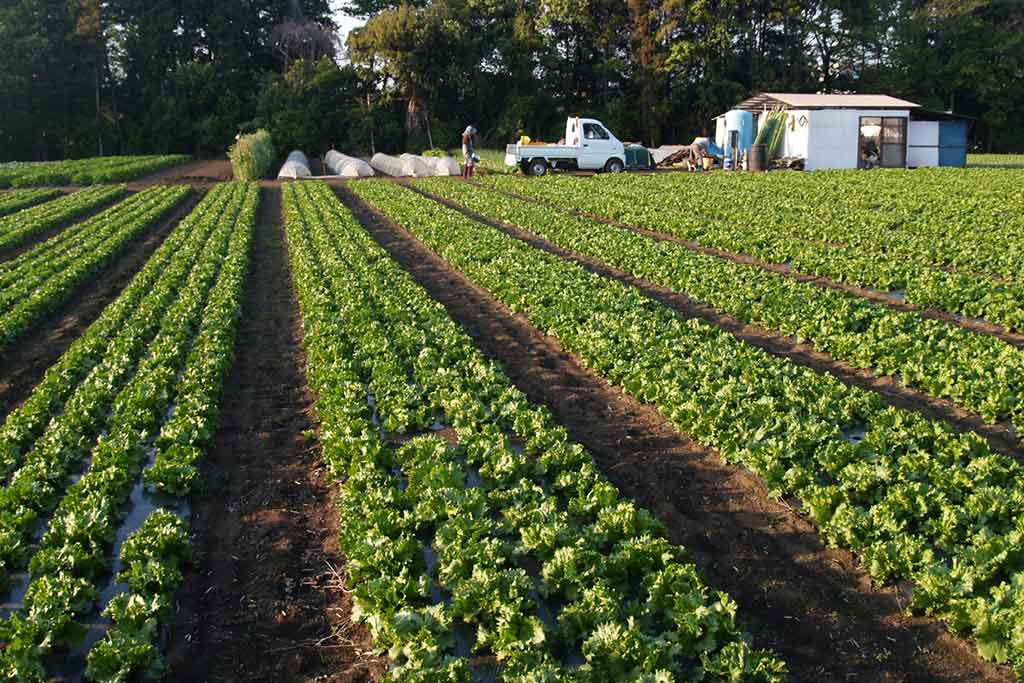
(345, 22)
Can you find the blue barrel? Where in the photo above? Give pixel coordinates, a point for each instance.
(739, 133)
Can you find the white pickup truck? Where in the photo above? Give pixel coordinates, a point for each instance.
(588, 145)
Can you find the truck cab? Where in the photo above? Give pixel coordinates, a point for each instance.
(597, 144)
(588, 145)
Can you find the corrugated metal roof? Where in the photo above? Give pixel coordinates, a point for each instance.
(815, 101)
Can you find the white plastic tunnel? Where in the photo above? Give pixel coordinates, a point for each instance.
(344, 165)
(444, 165)
(417, 165)
(296, 166)
(399, 167)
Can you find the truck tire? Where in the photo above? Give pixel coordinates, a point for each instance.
(538, 167)
(614, 166)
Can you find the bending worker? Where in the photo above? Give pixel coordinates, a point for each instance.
(469, 151)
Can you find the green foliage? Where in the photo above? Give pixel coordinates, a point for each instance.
(630, 602)
(996, 160)
(982, 374)
(185, 77)
(88, 171)
(11, 202)
(843, 225)
(918, 500)
(252, 156)
(23, 225)
(165, 342)
(154, 555)
(311, 107)
(493, 160)
(771, 130)
(39, 280)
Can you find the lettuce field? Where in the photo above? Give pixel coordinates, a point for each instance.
(632, 428)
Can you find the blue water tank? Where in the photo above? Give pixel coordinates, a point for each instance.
(739, 132)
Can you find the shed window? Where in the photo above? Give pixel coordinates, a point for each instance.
(882, 142)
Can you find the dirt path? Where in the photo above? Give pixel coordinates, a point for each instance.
(267, 602)
(201, 173)
(811, 604)
(24, 363)
(892, 301)
(1001, 437)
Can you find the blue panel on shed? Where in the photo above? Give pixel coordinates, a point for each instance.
(952, 143)
(952, 134)
(952, 156)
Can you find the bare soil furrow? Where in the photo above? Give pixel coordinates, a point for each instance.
(199, 173)
(268, 601)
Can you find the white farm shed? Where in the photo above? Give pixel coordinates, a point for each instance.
(859, 131)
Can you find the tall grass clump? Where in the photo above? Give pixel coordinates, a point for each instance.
(252, 156)
(770, 134)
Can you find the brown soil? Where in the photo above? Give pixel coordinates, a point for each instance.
(201, 173)
(24, 363)
(1001, 437)
(14, 252)
(268, 602)
(979, 326)
(812, 605)
(210, 172)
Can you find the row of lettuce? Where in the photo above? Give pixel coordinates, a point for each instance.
(34, 283)
(134, 398)
(91, 171)
(28, 221)
(907, 258)
(915, 499)
(22, 199)
(946, 217)
(979, 373)
(501, 546)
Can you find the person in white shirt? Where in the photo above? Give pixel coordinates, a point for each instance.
(469, 156)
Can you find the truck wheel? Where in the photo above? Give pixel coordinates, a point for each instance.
(538, 167)
(614, 166)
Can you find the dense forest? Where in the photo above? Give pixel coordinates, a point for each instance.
(86, 77)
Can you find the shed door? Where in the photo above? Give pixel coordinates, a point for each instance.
(894, 142)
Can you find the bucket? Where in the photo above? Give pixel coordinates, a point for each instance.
(758, 159)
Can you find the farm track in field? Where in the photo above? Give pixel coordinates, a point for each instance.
(267, 602)
(979, 326)
(1001, 437)
(200, 173)
(38, 238)
(811, 604)
(24, 362)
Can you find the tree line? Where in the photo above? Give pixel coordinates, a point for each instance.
(86, 77)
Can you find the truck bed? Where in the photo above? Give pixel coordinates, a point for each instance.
(519, 153)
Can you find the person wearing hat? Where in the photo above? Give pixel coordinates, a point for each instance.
(469, 151)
